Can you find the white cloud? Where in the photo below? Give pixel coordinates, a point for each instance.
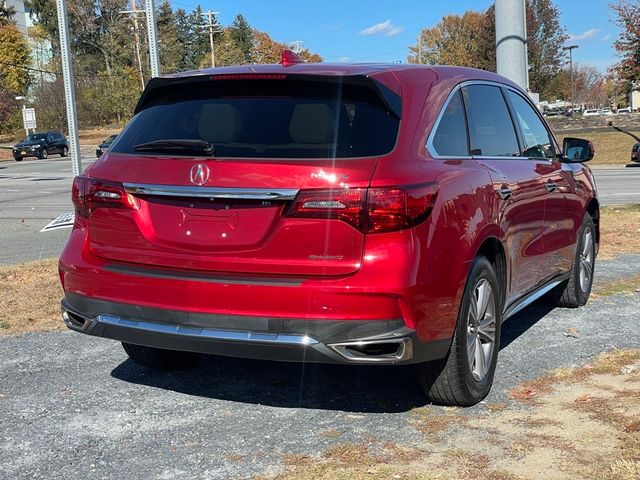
(387, 29)
(588, 35)
(606, 38)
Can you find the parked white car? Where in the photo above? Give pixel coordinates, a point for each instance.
(591, 112)
(624, 110)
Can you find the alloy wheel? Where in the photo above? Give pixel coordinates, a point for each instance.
(481, 329)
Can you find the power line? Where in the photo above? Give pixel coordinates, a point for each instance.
(58, 72)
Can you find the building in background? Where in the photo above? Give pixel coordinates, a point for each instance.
(21, 17)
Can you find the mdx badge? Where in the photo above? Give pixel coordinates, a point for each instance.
(199, 174)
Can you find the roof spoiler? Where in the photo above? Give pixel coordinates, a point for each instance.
(161, 85)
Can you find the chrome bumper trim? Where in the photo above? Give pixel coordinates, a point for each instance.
(211, 192)
(207, 333)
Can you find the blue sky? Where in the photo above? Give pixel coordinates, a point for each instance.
(338, 29)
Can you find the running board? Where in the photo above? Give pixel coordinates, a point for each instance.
(528, 299)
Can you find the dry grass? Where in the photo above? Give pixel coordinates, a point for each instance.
(612, 147)
(619, 230)
(625, 285)
(31, 294)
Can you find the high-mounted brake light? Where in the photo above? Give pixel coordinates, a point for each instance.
(88, 194)
(249, 76)
(373, 210)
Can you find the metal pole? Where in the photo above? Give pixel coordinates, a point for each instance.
(571, 48)
(69, 90)
(511, 41)
(24, 107)
(153, 42)
(213, 54)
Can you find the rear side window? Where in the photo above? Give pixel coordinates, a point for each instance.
(268, 119)
(537, 142)
(491, 131)
(450, 138)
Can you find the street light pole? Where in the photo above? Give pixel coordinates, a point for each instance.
(571, 48)
(24, 107)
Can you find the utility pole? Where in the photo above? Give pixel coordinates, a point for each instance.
(69, 91)
(210, 16)
(153, 41)
(511, 41)
(571, 48)
(134, 13)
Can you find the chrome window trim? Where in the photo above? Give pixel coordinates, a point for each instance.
(433, 152)
(211, 192)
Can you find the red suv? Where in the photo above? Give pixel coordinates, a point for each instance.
(359, 214)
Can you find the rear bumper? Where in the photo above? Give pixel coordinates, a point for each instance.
(266, 338)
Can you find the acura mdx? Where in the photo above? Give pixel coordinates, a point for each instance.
(358, 214)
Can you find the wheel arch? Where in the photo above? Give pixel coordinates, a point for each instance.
(593, 209)
(494, 251)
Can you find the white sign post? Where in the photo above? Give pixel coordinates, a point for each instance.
(29, 119)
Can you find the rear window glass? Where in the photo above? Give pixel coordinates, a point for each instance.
(268, 119)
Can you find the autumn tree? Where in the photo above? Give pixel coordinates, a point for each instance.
(627, 13)
(469, 40)
(15, 60)
(455, 41)
(545, 39)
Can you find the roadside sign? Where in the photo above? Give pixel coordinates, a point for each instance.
(29, 118)
(62, 221)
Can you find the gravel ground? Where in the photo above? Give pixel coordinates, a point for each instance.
(73, 406)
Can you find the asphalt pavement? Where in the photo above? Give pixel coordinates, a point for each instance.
(34, 192)
(73, 406)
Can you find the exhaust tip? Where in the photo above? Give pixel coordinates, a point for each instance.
(73, 320)
(376, 351)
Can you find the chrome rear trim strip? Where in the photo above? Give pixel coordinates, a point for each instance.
(247, 337)
(211, 192)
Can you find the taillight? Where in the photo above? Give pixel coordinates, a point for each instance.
(345, 204)
(390, 209)
(88, 194)
(373, 210)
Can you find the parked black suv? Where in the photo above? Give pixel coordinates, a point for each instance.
(41, 145)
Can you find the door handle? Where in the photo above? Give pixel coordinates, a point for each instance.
(551, 187)
(504, 193)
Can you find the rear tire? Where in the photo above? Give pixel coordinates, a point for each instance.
(575, 292)
(465, 377)
(160, 359)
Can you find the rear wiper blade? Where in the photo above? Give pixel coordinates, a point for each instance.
(175, 145)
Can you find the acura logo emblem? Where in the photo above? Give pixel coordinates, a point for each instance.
(199, 174)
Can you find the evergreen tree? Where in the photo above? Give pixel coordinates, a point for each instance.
(170, 47)
(241, 34)
(6, 14)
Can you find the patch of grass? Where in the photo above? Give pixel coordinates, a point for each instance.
(624, 285)
(496, 407)
(431, 420)
(31, 294)
(350, 454)
(619, 230)
(531, 390)
(331, 433)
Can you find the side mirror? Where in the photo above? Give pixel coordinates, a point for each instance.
(577, 150)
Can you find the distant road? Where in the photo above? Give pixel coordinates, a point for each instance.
(618, 185)
(33, 192)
